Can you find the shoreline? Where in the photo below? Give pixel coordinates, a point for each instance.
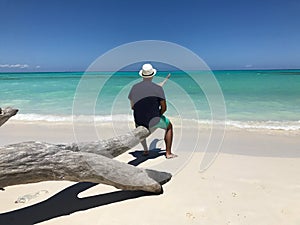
(285, 128)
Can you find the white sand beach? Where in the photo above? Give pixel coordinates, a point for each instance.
(254, 180)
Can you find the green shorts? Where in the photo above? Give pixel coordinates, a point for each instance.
(163, 123)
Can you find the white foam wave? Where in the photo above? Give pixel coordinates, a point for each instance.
(70, 118)
(266, 125)
(41, 117)
(269, 125)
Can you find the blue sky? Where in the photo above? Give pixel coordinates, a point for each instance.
(68, 35)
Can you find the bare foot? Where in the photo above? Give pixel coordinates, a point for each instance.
(145, 153)
(171, 156)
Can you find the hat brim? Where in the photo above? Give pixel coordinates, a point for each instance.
(147, 76)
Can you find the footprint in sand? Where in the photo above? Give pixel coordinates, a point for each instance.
(190, 215)
(28, 197)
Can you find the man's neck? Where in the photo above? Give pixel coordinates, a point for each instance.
(147, 79)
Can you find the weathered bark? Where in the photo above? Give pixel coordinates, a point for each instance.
(29, 162)
(6, 113)
(111, 147)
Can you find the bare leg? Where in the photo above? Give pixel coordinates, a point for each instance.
(168, 142)
(144, 144)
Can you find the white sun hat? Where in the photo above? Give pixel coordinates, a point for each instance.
(147, 71)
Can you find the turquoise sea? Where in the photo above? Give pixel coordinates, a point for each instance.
(267, 99)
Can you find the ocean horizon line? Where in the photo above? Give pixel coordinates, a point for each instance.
(110, 71)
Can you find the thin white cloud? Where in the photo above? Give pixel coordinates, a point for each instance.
(37, 67)
(248, 66)
(21, 66)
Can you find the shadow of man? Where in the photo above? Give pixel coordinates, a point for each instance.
(153, 154)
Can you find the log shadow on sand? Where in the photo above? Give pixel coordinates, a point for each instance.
(66, 202)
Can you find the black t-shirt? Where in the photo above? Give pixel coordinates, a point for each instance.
(146, 97)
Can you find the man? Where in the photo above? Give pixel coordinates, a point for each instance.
(148, 103)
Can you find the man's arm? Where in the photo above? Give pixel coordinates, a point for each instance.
(164, 81)
(163, 103)
(131, 104)
(163, 107)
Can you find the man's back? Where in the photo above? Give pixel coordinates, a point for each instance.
(145, 97)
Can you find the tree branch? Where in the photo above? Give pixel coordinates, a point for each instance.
(29, 162)
(6, 113)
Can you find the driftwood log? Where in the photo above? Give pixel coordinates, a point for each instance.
(33, 161)
(6, 113)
